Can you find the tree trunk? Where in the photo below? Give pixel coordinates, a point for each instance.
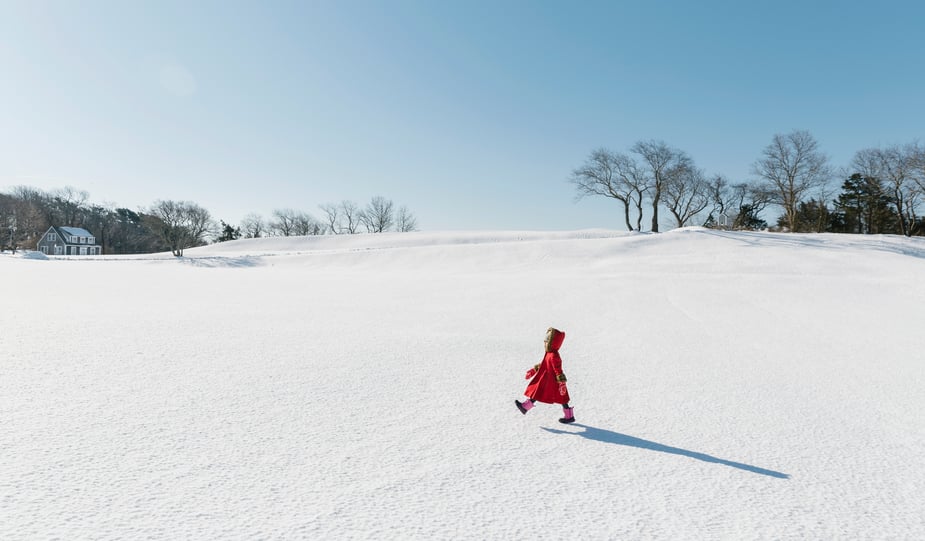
(655, 201)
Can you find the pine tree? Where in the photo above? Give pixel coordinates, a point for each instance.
(748, 218)
(810, 216)
(865, 207)
(851, 203)
(229, 233)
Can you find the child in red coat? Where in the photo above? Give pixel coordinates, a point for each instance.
(548, 383)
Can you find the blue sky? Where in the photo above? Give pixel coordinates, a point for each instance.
(472, 113)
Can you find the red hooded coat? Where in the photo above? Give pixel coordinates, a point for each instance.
(544, 387)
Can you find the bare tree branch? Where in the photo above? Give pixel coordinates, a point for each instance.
(405, 221)
(897, 168)
(253, 226)
(613, 175)
(331, 217)
(181, 224)
(686, 193)
(352, 217)
(662, 163)
(378, 216)
(791, 166)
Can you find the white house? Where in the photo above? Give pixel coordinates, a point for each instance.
(68, 241)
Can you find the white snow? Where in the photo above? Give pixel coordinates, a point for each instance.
(726, 386)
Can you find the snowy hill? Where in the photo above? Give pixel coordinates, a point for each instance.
(726, 386)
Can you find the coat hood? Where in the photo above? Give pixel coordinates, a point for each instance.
(554, 339)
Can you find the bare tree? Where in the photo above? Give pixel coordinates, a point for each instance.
(740, 203)
(8, 225)
(405, 221)
(918, 164)
(67, 204)
(27, 216)
(898, 169)
(791, 167)
(180, 224)
(352, 216)
(342, 218)
(253, 226)
(331, 217)
(101, 220)
(918, 168)
(284, 222)
(720, 194)
(613, 175)
(661, 163)
(686, 193)
(750, 201)
(306, 224)
(378, 216)
(289, 222)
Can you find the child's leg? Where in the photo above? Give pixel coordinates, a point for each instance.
(524, 406)
(568, 414)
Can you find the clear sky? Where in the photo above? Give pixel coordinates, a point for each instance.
(472, 113)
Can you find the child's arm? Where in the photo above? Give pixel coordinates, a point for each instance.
(557, 370)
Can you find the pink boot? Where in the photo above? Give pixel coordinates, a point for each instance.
(524, 406)
(569, 415)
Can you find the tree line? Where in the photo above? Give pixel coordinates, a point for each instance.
(26, 213)
(881, 191)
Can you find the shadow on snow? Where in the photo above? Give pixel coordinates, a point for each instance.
(895, 244)
(221, 261)
(608, 436)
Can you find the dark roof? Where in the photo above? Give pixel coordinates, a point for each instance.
(76, 231)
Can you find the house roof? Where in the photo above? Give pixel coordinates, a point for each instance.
(76, 231)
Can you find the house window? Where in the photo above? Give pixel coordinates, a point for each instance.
(52, 237)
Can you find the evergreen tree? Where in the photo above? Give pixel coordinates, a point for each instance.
(130, 235)
(810, 216)
(229, 233)
(748, 218)
(865, 207)
(852, 203)
(710, 222)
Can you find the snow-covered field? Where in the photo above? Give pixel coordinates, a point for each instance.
(726, 386)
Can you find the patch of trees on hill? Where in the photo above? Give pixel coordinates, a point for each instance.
(26, 213)
(882, 189)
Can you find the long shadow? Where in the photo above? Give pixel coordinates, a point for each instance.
(222, 261)
(895, 244)
(608, 436)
